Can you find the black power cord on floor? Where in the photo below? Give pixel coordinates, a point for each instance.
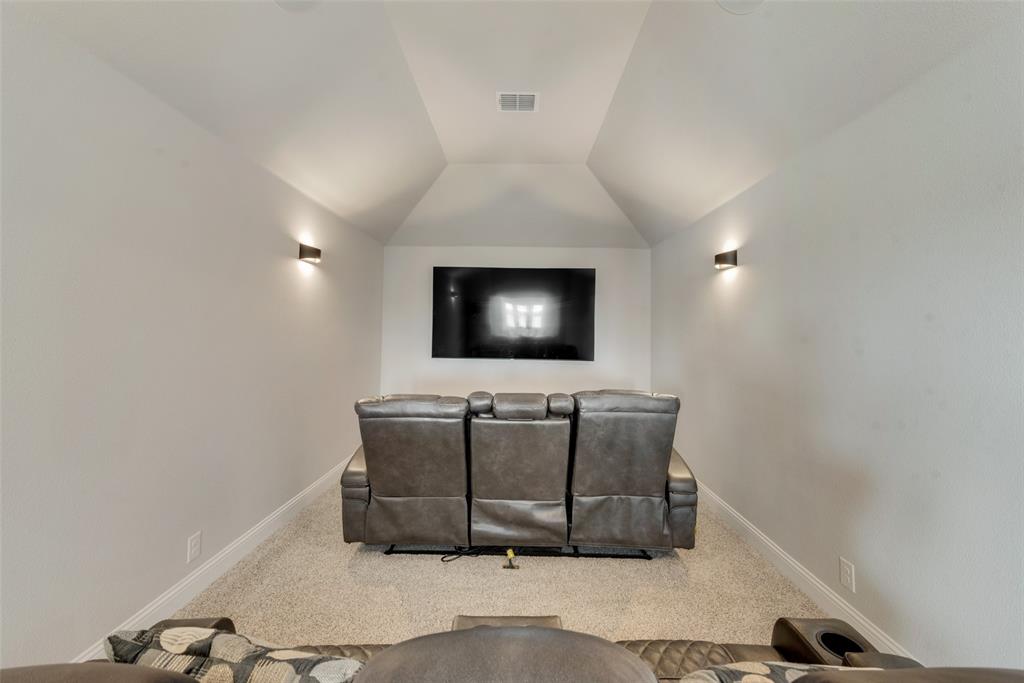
(462, 552)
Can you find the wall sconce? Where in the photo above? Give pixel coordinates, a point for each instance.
(726, 260)
(309, 254)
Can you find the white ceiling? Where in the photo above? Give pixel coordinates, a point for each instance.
(675, 107)
(571, 53)
(711, 102)
(320, 93)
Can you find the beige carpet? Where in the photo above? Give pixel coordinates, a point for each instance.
(304, 585)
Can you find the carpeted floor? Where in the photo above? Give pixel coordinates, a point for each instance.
(304, 585)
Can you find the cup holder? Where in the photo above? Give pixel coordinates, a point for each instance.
(837, 643)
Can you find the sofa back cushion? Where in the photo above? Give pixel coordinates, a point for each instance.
(623, 442)
(519, 465)
(520, 459)
(414, 445)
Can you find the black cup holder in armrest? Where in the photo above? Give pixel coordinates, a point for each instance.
(817, 641)
(837, 643)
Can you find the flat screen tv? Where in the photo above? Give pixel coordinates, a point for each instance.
(538, 313)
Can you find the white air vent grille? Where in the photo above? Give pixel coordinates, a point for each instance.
(517, 101)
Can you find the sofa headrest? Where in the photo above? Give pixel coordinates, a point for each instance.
(625, 401)
(412, 405)
(561, 405)
(480, 402)
(520, 406)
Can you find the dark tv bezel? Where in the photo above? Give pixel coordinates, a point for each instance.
(593, 328)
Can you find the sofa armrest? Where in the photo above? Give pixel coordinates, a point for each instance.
(817, 641)
(680, 478)
(354, 475)
(879, 660)
(219, 623)
(355, 498)
(681, 492)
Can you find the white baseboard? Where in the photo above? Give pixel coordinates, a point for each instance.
(827, 599)
(178, 595)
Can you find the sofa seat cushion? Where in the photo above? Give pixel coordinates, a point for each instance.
(222, 657)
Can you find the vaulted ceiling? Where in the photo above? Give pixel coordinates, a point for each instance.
(385, 112)
(712, 102)
(572, 53)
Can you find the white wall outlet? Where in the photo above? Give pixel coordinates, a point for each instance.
(195, 547)
(847, 574)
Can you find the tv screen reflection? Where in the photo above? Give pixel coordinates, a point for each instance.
(538, 313)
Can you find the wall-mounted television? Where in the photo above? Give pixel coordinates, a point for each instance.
(537, 313)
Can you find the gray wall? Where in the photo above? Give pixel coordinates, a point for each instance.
(168, 365)
(855, 387)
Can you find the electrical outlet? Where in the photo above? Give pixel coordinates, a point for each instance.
(847, 574)
(195, 547)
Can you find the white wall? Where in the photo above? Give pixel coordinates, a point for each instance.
(854, 387)
(517, 205)
(168, 366)
(622, 324)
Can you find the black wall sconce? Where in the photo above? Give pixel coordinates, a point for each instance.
(309, 254)
(726, 260)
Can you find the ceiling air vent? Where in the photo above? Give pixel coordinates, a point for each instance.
(517, 101)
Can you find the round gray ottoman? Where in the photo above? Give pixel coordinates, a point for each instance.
(487, 654)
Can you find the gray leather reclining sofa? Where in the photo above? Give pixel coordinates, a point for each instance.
(593, 469)
(519, 465)
(407, 483)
